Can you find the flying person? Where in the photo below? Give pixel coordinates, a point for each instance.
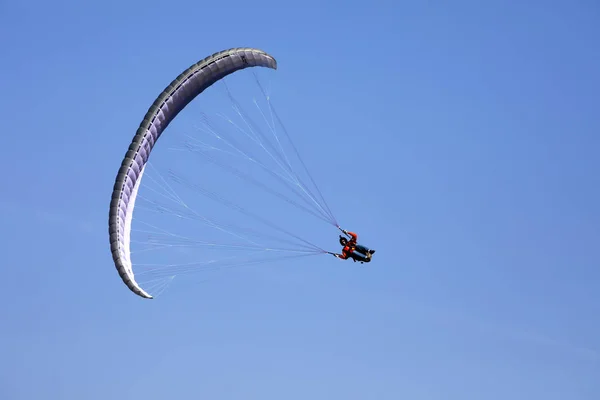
(351, 249)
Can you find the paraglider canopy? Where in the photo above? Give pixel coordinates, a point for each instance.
(174, 98)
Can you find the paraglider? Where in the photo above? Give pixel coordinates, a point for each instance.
(171, 101)
(351, 248)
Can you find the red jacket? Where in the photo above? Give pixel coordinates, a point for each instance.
(350, 246)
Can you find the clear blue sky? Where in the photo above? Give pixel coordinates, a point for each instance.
(475, 124)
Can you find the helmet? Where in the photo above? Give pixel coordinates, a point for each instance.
(343, 240)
